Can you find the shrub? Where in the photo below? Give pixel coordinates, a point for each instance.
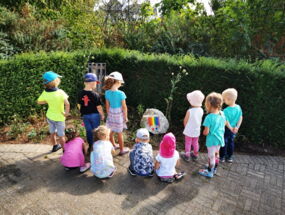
(260, 85)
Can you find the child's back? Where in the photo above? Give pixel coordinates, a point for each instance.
(233, 114)
(73, 153)
(142, 159)
(167, 165)
(101, 159)
(55, 100)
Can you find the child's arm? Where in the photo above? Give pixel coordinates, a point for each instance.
(113, 151)
(85, 148)
(66, 107)
(229, 126)
(156, 165)
(235, 129)
(186, 118)
(101, 112)
(107, 106)
(41, 102)
(177, 163)
(125, 110)
(206, 131)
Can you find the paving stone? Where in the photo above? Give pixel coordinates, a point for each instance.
(33, 182)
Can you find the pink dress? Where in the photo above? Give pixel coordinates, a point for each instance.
(73, 153)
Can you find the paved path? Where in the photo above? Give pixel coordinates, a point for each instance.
(33, 182)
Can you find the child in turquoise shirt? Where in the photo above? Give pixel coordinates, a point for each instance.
(214, 129)
(233, 115)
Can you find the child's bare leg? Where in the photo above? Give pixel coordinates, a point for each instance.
(121, 141)
(62, 142)
(53, 139)
(112, 140)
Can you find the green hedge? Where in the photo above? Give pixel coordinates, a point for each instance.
(261, 85)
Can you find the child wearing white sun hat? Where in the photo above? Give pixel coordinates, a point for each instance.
(192, 123)
(117, 111)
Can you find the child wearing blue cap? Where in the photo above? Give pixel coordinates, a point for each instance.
(90, 106)
(58, 108)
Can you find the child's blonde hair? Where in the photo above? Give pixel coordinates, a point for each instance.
(230, 94)
(101, 133)
(53, 83)
(214, 100)
(109, 82)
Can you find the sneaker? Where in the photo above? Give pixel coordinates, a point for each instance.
(56, 148)
(179, 175)
(125, 151)
(215, 171)
(185, 157)
(206, 173)
(117, 146)
(194, 157)
(151, 174)
(222, 160)
(67, 169)
(132, 173)
(230, 160)
(85, 167)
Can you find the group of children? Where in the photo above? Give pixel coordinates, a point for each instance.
(220, 129)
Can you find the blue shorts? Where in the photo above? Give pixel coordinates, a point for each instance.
(56, 127)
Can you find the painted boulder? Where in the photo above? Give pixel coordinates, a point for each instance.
(154, 121)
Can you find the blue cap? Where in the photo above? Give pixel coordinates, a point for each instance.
(90, 77)
(50, 76)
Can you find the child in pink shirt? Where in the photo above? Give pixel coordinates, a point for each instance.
(74, 150)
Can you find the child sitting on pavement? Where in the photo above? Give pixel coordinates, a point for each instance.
(74, 150)
(167, 160)
(101, 157)
(141, 157)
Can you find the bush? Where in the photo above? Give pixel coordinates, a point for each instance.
(260, 85)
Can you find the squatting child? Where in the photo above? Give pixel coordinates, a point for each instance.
(58, 108)
(167, 160)
(141, 157)
(234, 117)
(102, 164)
(75, 150)
(192, 123)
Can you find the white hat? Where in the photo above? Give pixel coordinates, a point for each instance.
(143, 134)
(117, 76)
(195, 98)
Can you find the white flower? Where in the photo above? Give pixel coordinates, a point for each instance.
(180, 67)
(172, 73)
(184, 70)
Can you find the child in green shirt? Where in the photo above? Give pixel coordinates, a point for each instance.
(58, 108)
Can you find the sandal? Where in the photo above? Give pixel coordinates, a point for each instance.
(125, 151)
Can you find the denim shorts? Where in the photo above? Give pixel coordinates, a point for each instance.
(56, 127)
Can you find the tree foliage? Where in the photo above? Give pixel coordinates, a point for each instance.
(243, 29)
